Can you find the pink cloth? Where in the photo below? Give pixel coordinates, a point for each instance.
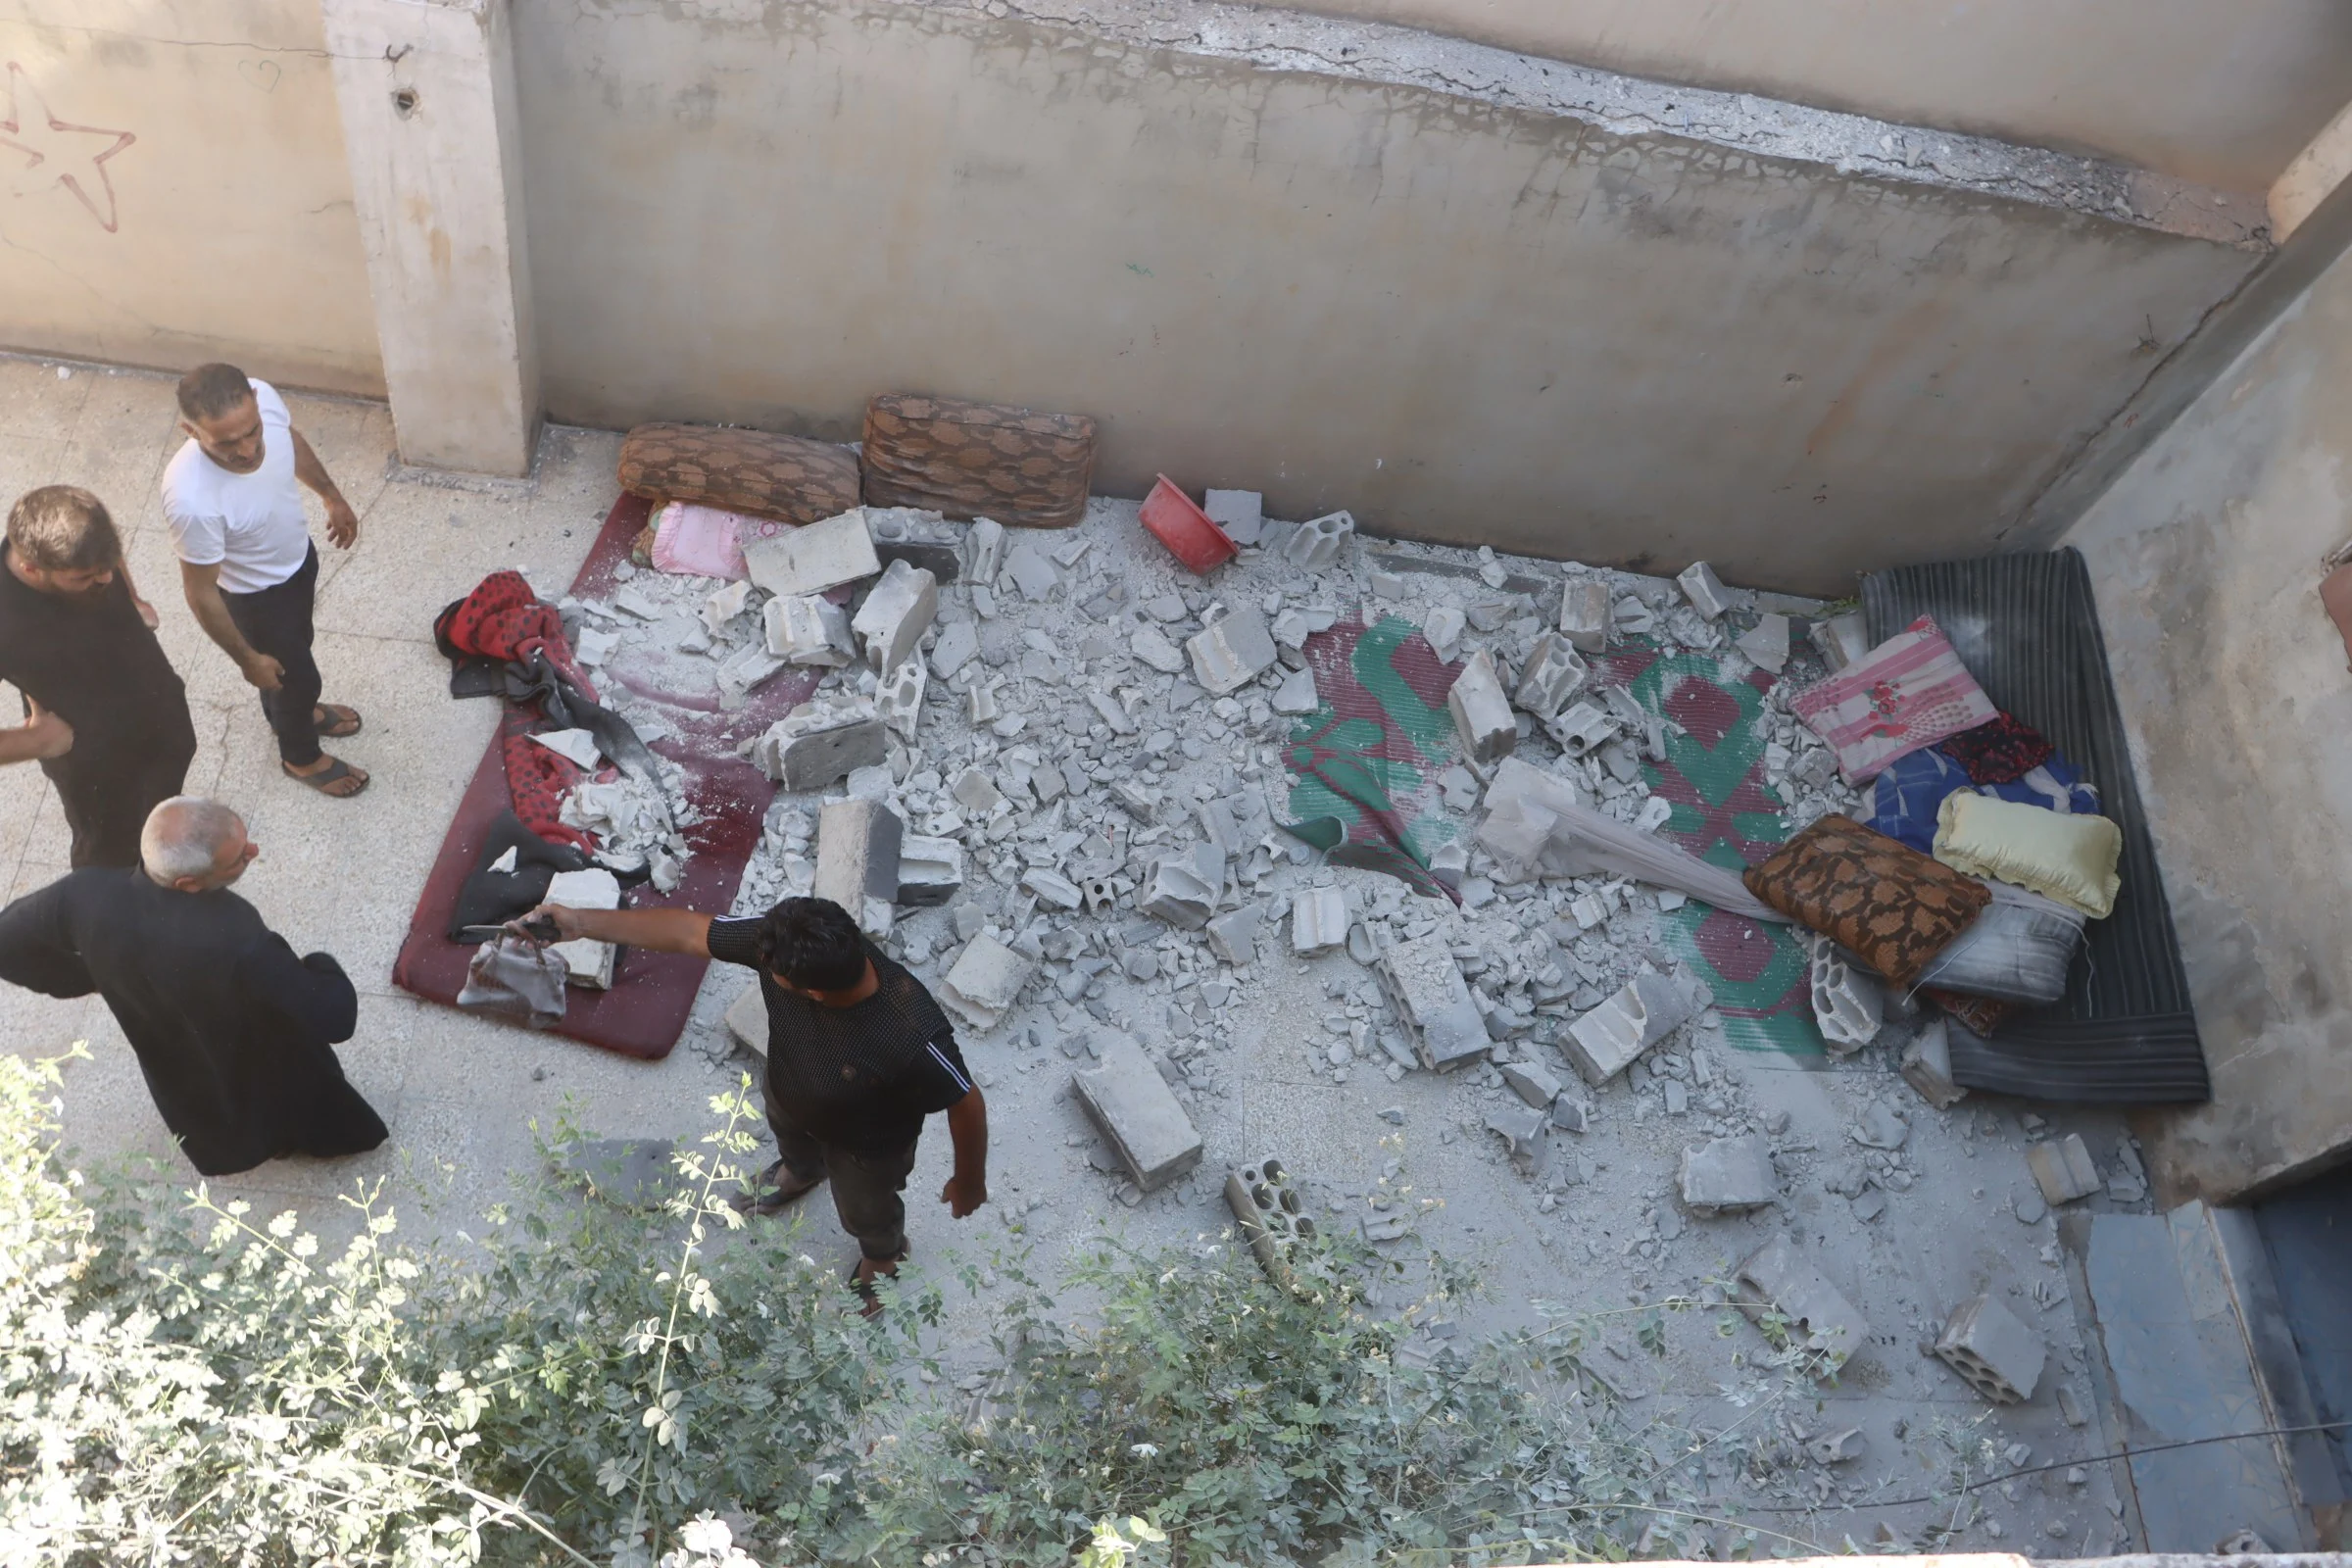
(698, 541)
(1909, 692)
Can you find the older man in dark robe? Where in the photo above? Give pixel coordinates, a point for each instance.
(233, 1032)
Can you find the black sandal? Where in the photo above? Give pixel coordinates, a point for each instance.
(771, 1194)
(335, 722)
(335, 773)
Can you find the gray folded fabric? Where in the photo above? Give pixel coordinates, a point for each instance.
(517, 978)
(2019, 949)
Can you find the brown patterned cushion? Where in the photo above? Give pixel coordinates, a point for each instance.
(1883, 900)
(1023, 468)
(780, 476)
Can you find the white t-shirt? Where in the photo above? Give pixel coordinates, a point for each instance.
(252, 525)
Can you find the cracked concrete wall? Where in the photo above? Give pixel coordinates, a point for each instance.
(175, 190)
(2206, 557)
(2222, 94)
(1470, 295)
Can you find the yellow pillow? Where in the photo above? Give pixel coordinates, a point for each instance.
(2067, 857)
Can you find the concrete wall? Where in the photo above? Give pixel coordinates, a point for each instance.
(2206, 556)
(1467, 311)
(190, 199)
(2222, 93)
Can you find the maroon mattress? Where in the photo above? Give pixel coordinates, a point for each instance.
(645, 1012)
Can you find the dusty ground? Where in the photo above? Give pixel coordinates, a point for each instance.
(461, 1094)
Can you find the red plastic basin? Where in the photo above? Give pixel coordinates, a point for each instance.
(1185, 528)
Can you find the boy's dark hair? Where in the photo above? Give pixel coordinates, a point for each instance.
(62, 527)
(210, 390)
(813, 943)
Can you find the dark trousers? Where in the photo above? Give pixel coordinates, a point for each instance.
(276, 622)
(866, 1187)
(106, 804)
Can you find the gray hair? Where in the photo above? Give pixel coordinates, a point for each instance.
(63, 527)
(184, 837)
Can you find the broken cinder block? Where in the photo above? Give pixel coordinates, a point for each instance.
(1522, 1129)
(1927, 1066)
(804, 629)
(1441, 628)
(922, 539)
(1552, 674)
(857, 847)
(899, 699)
(897, 611)
(1728, 1176)
(1819, 1317)
(1582, 729)
(1585, 614)
(1316, 544)
(1842, 639)
(1233, 935)
(1643, 1012)
(984, 551)
(1766, 643)
(1704, 590)
(1242, 513)
(1137, 1114)
(1433, 1001)
(1268, 1212)
(984, 983)
(1531, 1082)
(1481, 713)
(1847, 1002)
(813, 559)
(811, 747)
(2063, 1169)
(1185, 888)
(930, 870)
(1997, 1354)
(1231, 653)
(1318, 921)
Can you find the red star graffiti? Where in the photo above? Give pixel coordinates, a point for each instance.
(55, 150)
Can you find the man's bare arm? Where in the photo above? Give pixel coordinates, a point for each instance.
(342, 524)
(967, 1130)
(202, 585)
(41, 736)
(655, 930)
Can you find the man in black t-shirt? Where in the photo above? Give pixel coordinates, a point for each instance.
(857, 1054)
(105, 715)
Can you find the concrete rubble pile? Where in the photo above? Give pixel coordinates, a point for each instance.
(1045, 769)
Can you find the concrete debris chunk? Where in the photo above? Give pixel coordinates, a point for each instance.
(1031, 571)
(1835, 1447)
(724, 604)
(1316, 545)
(1441, 628)
(957, 646)
(1432, 1001)
(1154, 650)
(1927, 1066)
(1521, 1130)
(575, 746)
(1242, 513)
(984, 983)
(930, 871)
(2063, 1169)
(747, 1021)
(1269, 1212)
(1604, 1041)
(1553, 673)
(857, 849)
(1766, 644)
(1137, 1113)
(1704, 590)
(1818, 1316)
(743, 674)
(590, 962)
(813, 559)
(1184, 888)
(1482, 715)
(1582, 729)
(1995, 1353)
(812, 746)
(984, 549)
(976, 792)
(1318, 921)
(899, 699)
(1531, 1082)
(1571, 1113)
(1847, 1002)
(1052, 888)
(1231, 653)
(1585, 614)
(1728, 1176)
(895, 613)
(922, 539)
(1296, 694)
(806, 630)
(1842, 639)
(1233, 936)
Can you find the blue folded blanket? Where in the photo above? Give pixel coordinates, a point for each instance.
(1913, 788)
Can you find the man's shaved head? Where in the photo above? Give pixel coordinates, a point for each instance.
(210, 390)
(188, 839)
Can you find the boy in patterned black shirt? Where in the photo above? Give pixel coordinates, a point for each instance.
(857, 1054)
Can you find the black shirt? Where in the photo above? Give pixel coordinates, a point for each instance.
(94, 663)
(865, 1076)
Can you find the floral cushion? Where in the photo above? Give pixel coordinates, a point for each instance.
(1889, 905)
(1909, 692)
